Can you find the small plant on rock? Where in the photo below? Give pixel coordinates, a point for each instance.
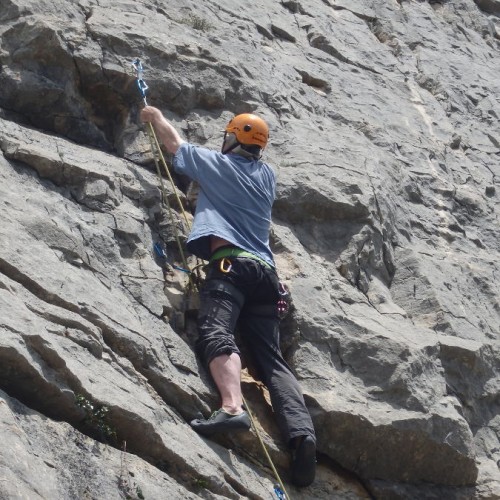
(96, 419)
(200, 483)
(197, 22)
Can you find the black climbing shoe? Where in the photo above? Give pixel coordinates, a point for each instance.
(304, 462)
(221, 421)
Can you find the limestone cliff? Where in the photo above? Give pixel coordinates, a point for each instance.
(385, 136)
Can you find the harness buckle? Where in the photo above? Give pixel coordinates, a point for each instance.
(225, 265)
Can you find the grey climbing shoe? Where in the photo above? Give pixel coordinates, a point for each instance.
(304, 462)
(221, 421)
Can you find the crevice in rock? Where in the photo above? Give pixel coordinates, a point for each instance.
(13, 115)
(444, 326)
(45, 383)
(479, 404)
(15, 17)
(295, 7)
(380, 32)
(33, 287)
(317, 84)
(432, 86)
(489, 6)
(70, 325)
(138, 299)
(117, 426)
(359, 15)
(321, 42)
(282, 34)
(169, 391)
(264, 32)
(34, 383)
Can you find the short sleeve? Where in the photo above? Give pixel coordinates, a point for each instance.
(185, 162)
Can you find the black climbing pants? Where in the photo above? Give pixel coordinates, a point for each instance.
(246, 296)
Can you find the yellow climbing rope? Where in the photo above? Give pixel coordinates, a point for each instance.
(266, 453)
(158, 156)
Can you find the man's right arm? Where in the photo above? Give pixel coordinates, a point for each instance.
(164, 129)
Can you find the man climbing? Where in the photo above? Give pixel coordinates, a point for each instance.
(231, 230)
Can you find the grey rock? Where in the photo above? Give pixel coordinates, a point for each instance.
(49, 459)
(386, 140)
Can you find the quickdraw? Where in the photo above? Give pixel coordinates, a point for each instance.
(163, 255)
(141, 84)
(279, 492)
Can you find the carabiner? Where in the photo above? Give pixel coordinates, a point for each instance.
(143, 87)
(225, 265)
(283, 289)
(141, 84)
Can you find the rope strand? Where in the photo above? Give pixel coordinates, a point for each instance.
(269, 459)
(156, 152)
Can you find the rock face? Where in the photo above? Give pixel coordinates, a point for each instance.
(385, 135)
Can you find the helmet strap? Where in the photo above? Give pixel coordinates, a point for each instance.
(229, 148)
(250, 151)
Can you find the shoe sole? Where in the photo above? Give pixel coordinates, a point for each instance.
(205, 429)
(210, 432)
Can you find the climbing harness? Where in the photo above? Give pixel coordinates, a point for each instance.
(236, 252)
(158, 158)
(225, 263)
(225, 266)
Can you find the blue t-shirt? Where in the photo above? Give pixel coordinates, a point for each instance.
(234, 203)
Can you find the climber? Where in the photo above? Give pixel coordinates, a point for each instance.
(231, 230)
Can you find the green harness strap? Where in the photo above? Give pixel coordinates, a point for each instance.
(237, 252)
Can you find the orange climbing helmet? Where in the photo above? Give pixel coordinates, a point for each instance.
(249, 129)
